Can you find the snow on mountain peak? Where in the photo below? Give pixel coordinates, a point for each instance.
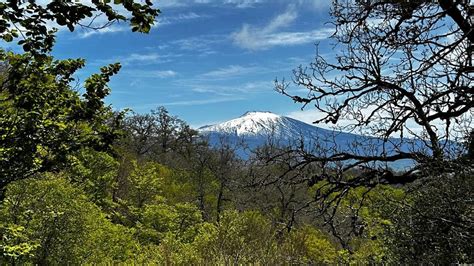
(258, 123)
(260, 115)
(256, 128)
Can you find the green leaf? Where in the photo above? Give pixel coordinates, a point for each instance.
(7, 37)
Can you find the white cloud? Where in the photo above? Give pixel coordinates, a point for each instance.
(280, 21)
(166, 73)
(252, 40)
(243, 3)
(86, 33)
(152, 73)
(244, 89)
(199, 45)
(307, 116)
(230, 71)
(257, 86)
(411, 128)
(172, 3)
(164, 20)
(188, 16)
(310, 115)
(315, 4)
(260, 38)
(141, 73)
(183, 3)
(180, 3)
(197, 102)
(141, 59)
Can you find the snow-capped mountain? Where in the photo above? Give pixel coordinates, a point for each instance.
(257, 128)
(264, 124)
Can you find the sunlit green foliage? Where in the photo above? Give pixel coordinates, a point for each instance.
(68, 218)
(160, 221)
(43, 120)
(171, 251)
(95, 172)
(15, 243)
(51, 222)
(244, 237)
(164, 196)
(308, 245)
(145, 182)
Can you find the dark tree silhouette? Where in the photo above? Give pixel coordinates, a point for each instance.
(399, 69)
(28, 19)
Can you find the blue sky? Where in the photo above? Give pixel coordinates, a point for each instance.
(207, 61)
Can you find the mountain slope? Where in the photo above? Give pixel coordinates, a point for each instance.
(258, 124)
(257, 128)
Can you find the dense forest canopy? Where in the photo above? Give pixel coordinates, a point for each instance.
(82, 184)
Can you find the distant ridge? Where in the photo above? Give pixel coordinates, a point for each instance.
(264, 123)
(255, 128)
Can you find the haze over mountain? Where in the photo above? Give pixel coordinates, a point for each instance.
(257, 128)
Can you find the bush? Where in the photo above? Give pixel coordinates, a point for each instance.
(49, 221)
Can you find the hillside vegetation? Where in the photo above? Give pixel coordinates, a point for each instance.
(81, 183)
